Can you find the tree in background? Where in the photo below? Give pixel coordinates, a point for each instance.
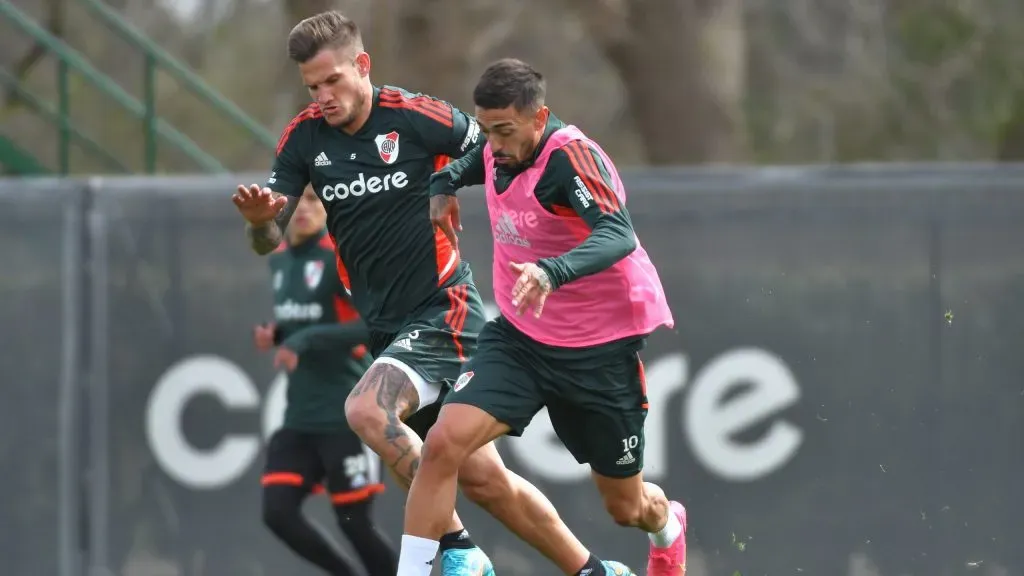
(668, 82)
(682, 64)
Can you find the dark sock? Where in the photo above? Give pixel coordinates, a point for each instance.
(458, 540)
(373, 548)
(282, 514)
(593, 567)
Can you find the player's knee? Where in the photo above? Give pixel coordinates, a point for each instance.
(364, 416)
(624, 510)
(444, 447)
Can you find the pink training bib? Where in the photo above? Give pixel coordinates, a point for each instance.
(622, 301)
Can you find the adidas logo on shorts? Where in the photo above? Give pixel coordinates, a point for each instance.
(321, 160)
(404, 343)
(626, 460)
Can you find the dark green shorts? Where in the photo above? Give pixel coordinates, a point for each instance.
(596, 397)
(433, 347)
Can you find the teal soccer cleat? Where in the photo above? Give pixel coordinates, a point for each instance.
(616, 569)
(468, 562)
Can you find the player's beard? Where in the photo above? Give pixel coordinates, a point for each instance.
(522, 156)
(359, 103)
(515, 162)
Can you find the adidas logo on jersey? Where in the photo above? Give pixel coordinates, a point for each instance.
(627, 459)
(404, 343)
(506, 232)
(361, 185)
(321, 160)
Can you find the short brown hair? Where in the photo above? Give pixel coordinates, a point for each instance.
(330, 29)
(510, 82)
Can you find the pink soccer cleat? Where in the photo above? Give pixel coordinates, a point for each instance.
(670, 561)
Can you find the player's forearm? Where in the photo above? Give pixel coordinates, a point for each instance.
(328, 337)
(264, 238)
(606, 245)
(466, 171)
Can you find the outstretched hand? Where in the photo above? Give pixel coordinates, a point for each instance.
(258, 205)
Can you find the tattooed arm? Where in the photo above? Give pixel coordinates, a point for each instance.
(288, 181)
(266, 237)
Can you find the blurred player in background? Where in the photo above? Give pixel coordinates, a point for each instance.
(369, 153)
(319, 340)
(578, 298)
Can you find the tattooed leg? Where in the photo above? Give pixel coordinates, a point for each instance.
(376, 409)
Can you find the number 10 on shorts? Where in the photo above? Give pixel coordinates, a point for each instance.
(630, 443)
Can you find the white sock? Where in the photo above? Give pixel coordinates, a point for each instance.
(417, 556)
(666, 536)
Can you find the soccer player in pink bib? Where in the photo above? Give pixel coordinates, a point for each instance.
(578, 297)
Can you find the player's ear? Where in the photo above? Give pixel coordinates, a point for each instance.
(540, 120)
(363, 64)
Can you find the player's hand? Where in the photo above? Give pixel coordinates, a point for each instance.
(531, 288)
(263, 335)
(286, 358)
(258, 205)
(444, 213)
